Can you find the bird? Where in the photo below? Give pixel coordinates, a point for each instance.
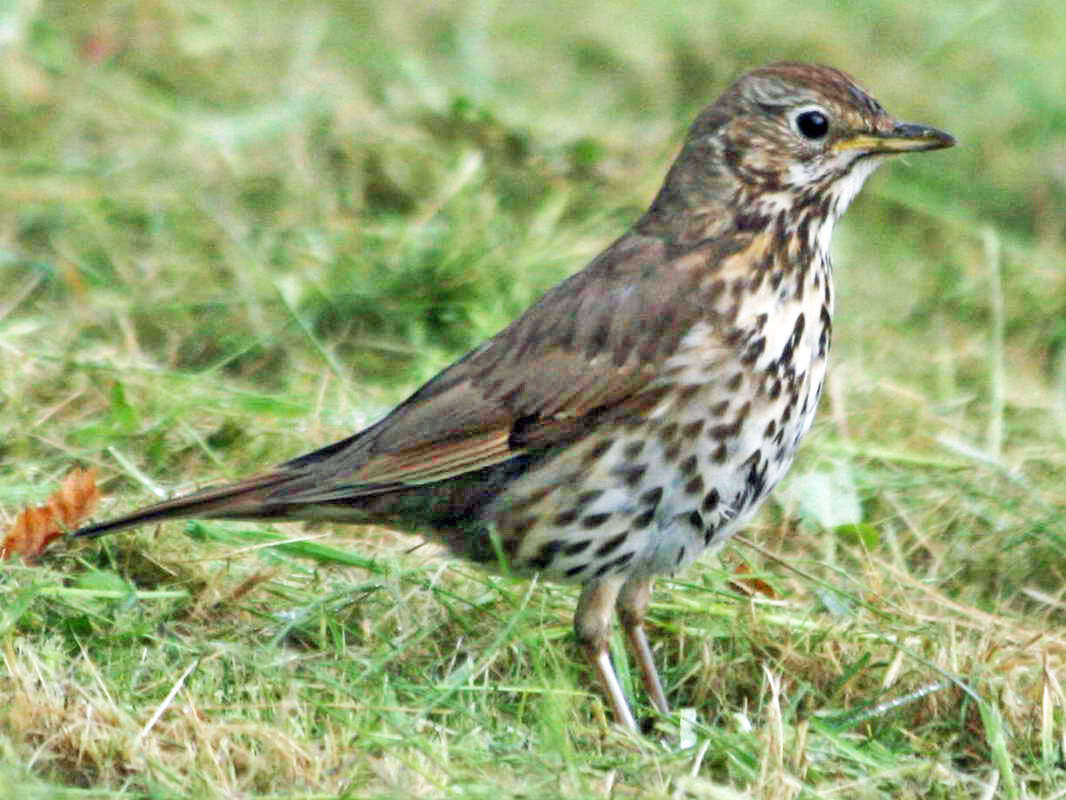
(641, 411)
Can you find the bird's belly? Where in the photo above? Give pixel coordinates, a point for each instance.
(650, 495)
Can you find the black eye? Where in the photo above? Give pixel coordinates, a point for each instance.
(812, 124)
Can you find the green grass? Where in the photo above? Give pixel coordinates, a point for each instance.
(230, 233)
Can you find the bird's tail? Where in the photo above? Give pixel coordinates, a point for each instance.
(245, 499)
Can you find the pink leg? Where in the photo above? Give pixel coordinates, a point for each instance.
(633, 600)
(592, 624)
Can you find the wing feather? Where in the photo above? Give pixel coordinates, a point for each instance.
(586, 353)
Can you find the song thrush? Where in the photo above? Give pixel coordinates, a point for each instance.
(640, 411)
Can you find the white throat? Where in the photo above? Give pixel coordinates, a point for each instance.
(845, 188)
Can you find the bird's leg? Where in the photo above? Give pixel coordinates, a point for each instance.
(592, 624)
(633, 600)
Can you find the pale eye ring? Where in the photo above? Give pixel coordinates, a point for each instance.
(811, 122)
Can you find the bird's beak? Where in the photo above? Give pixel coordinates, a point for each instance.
(904, 137)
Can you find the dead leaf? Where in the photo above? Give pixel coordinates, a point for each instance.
(34, 528)
(743, 582)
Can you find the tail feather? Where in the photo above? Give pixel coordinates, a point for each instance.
(246, 499)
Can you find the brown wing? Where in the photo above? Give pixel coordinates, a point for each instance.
(589, 350)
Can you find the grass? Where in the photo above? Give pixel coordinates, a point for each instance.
(232, 233)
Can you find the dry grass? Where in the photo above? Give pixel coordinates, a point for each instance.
(234, 233)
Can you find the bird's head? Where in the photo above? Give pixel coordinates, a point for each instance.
(807, 129)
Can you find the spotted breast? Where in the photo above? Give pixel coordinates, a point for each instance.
(649, 494)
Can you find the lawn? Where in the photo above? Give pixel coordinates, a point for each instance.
(230, 233)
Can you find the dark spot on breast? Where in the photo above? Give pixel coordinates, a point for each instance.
(692, 429)
(724, 432)
(680, 556)
(733, 337)
(576, 548)
(633, 475)
(652, 497)
(594, 520)
(756, 479)
(719, 455)
(643, 519)
(588, 498)
(617, 564)
(632, 450)
(668, 432)
(775, 390)
(771, 428)
(565, 518)
(743, 411)
(671, 453)
(753, 351)
(719, 409)
(611, 544)
(797, 329)
(827, 332)
(688, 466)
(788, 351)
(686, 393)
(694, 486)
(546, 554)
(710, 502)
(596, 452)
(695, 520)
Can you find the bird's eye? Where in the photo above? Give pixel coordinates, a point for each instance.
(811, 123)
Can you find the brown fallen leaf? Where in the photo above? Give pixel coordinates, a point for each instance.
(34, 528)
(742, 581)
